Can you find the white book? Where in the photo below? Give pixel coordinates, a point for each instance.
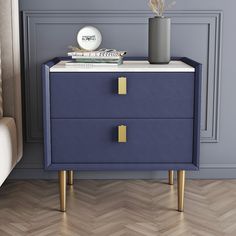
(96, 57)
(89, 65)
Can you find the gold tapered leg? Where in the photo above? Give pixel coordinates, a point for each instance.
(181, 184)
(171, 177)
(70, 177)
(62, 187)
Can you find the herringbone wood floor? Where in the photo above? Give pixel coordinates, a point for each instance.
(118, 208)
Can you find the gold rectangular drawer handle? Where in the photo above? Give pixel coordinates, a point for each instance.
(122, 85)
(122, 134)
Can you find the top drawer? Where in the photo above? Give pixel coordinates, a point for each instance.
(95, 95)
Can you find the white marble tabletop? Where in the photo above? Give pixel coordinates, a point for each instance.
(128, 66)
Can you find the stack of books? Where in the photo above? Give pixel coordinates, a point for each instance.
(101, 57)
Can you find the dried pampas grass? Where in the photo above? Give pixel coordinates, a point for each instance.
(159, 6)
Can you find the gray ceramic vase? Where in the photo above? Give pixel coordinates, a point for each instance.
(159, 40)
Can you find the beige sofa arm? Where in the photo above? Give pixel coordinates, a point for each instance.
(10, 65)
(8, 148)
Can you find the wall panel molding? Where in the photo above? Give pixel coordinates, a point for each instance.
(38, 26)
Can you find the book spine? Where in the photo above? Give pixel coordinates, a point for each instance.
(96, 57)
(100, 61)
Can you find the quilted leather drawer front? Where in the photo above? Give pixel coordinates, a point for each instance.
(149, 95)
(95, 141)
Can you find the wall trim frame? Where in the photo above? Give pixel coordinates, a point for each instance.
(32, 19)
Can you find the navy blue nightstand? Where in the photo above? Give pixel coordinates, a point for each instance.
(135, 116)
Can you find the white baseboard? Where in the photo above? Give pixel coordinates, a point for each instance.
(206, 172)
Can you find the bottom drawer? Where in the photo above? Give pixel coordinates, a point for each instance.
(95, 141)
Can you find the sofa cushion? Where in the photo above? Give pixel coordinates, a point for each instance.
(8, 148)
